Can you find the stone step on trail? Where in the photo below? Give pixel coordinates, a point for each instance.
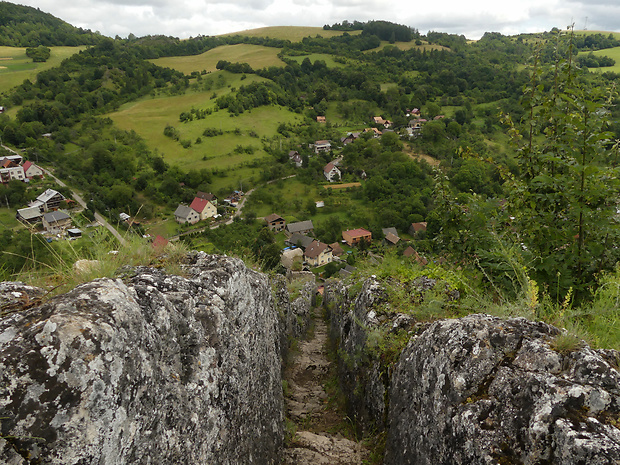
(307, 407)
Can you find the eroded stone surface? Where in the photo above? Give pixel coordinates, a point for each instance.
(155, 369)
(481, 390)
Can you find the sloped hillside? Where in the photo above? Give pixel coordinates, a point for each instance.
(23, 26)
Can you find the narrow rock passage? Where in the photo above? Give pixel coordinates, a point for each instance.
(315, 443)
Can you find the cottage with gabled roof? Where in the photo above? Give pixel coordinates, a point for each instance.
(331, 172)
(354, 236)
(295, 157)
(417, 227)
(31, 170)
(184, 214)
(337, 249)
(321, 119)
(302, 227)
(299, 240)
(204, 208)
(275, 222)
(318, 254)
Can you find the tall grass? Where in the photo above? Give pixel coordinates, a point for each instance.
(71, 266)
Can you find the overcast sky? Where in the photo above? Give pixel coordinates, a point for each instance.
(189, 18)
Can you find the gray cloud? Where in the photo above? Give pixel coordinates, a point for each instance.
(185, 18)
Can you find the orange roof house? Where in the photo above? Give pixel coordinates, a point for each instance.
(354, 236)
(204, 208)
(416, 228)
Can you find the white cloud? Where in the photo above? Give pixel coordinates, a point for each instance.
(185, 18)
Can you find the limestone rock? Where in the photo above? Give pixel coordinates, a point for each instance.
(481, 390)
(153, 369)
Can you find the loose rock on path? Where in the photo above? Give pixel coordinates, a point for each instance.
(307, 407)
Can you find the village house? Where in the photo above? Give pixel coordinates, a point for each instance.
(299, 240)
(321, 146)
(318, 254)
(204, 208)
(321, 119)
(301, 227)
(416, 228)
(56, 222)
(31, 170)
(391, 236)
(350, 137)
(354, 236)
(207, 196)
(375, 132)
(275, 222)
(337, 250)
(11, 171)
(295, 157)
(184, 214)
(159, 242)
(382, 122)
(17, 159)
(331, 172)
(411, 252)
(48, 200)
(29, 215)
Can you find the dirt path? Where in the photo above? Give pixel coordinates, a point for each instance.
(306, 404)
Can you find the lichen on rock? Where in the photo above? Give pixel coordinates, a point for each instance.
(151, 369)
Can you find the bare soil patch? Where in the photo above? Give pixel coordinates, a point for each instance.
(342, 186)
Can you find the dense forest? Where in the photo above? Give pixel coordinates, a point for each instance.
(511, 190)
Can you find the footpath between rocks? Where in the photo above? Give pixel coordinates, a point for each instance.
(316, 441)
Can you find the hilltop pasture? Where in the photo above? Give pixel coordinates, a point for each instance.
(149, 117)
(15, 66)
(256, 56)
(292, 33)
(608, 52)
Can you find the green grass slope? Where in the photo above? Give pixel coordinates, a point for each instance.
(15, 66)
(292, 33)
(256, 56)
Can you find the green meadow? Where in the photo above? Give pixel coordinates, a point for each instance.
(288, 197)
(292, 33)
(233, 155)
(608, 52)
(256, 56)
(328, 59)
(15, 66)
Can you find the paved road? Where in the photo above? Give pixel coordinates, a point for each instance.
(78, 198)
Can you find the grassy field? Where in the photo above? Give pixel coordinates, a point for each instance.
(328, 59)
(292, 33)
(411, 45)
(290, 196)
(256, 56)
(15, 66)
(150, 116)
(7, 219)
(608, 52)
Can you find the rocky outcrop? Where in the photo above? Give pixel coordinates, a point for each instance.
(353, 319)
(482, 390)
(474, 390)
(148, 369)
